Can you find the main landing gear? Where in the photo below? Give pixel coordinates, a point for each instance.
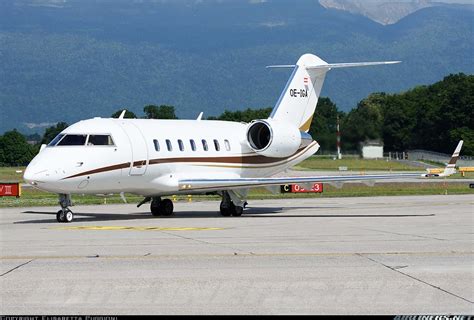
(160, 207)
(65, 214)
(231, 205)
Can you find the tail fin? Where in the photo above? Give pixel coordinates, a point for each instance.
(298, 100)
(451, 166)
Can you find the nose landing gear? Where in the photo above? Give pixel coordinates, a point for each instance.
(65, 214)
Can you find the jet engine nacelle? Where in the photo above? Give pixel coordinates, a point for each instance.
(272, 138)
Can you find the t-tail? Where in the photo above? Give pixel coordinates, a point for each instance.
(298, 100)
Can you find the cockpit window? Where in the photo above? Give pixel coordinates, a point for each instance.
(100, 140)
(56, 140)
(73, 140)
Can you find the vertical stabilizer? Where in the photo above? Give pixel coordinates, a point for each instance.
(298, 100)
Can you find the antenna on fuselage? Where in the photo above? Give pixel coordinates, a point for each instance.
(122, 114)
(200, 116)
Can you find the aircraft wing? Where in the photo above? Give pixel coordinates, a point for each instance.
(207, 184)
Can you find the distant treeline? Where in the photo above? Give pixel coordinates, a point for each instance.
(431, 117)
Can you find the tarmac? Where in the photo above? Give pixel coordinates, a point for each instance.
(377, 255)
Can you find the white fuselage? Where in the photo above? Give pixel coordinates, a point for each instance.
(133, 163)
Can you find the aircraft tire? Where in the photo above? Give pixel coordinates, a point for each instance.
(68, 216)
(155, 208)
(225, 211)
(166, 207)
(237, 212)
(58, 216)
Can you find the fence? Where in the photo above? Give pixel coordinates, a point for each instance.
(465, 161)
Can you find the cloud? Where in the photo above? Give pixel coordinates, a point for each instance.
(273, 24)
(32, 125)
(48, 3)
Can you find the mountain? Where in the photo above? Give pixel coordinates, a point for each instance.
(389, 12)
(66, 60)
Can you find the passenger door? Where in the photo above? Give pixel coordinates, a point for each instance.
(139, 149)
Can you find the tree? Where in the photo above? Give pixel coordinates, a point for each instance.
(246, 115)
(2, 154)
(33, 137)
(323, 125)
(161, 112)
(128, 114)
(466, 134)
(51, 132)
(364, 122)
(433, 117)
(16, 150)
(398, 124)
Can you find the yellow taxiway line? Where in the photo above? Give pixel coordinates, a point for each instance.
(113, 228)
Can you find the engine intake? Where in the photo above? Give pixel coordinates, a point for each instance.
(259, 136)
(272, 138)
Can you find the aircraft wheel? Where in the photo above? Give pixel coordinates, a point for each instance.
(59, 216)
(225, 210)
(166, 207)
(68, 216)
(237, 212)
(155, 208)
(65, 215)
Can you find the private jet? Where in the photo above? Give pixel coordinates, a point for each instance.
(159, 158)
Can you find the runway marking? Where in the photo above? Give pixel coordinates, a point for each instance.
(263, 254)
(113, 228)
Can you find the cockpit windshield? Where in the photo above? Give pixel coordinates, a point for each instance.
(55, 140)
(82, 140)
(73, 140)
(100, 140)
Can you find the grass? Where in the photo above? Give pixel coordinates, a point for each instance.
(9, 174)
(354, 164)
(467, 175)
(434, 163)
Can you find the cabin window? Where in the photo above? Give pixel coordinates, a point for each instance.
(157, 145)
(56, 140)
(168, 145)
(227, 145)
(100, 140)
(204, 145)
(216, 145)
(181, 145)
(73, 140)
(193, 145)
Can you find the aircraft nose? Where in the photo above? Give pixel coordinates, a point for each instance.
(33, 174)
(27, 176)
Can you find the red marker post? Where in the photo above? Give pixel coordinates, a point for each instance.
(10, 189)
(294, 188)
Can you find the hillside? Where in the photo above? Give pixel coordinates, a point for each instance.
(387, 11)
(64, 61)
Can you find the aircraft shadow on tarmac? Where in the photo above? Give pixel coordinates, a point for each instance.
(250, 212)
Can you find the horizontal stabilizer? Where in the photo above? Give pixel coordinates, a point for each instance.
(282, 66)
(350, 65)
(337, 65)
